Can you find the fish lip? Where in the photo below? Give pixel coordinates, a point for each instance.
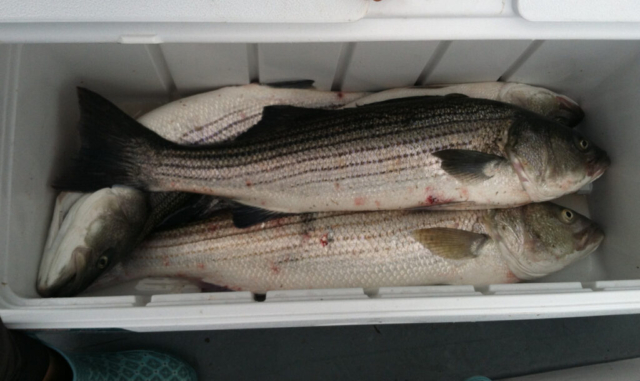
(66, 285)
(572, 113)
(593, 237)
(599, 166)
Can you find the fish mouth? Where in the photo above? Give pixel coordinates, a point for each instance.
(67, 283)
(569, 113)
(589, 239)
(598, 166)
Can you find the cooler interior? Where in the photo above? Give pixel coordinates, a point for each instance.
(38, 114)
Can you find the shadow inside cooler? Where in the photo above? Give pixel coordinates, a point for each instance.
(39, 115)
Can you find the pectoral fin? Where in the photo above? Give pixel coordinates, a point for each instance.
(469, 166)
(451, 243)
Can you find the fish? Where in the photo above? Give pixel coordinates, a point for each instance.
(452, 151)
(224, 114)
(542, 101)
(107, 223)
(367, 249)
(92, 232)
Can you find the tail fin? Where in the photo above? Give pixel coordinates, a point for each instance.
(112, 142)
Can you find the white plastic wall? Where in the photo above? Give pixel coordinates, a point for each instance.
(38, 113)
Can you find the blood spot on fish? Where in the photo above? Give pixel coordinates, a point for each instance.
(213, 228)
(263, 203)
(200, 266)
(464, 192)
(249, 183)
(340, 94)
(359, 201)
(377, 203)
(431, 200)
(324, 240)
(275, 269)
(337, 185)
(511, 277)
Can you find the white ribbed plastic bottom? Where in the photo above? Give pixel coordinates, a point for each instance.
(38, 113)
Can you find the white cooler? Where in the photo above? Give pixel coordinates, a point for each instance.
(142, 54)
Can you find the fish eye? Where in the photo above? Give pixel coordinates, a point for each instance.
(567, 215)
(583, 144)
(102, 262)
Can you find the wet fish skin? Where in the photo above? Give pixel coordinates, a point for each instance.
(382, 156)
(225, 113)
(542, 101)
(96, 232)
(366, 249)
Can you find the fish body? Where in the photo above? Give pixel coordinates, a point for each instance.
(367, 249)
(539, 100)
(224, 114)
(453, 151)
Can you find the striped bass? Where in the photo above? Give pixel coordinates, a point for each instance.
(367, 249)
(223, 114)
(454, 152)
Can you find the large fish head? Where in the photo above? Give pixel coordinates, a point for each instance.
(552, 160)
(95, 234)
(545, 102)
(538, 239)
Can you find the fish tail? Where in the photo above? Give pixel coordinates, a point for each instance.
(112, 144)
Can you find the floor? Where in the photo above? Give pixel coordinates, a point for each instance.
(383, 352)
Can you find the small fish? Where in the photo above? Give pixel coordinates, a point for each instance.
(453, 151)
(224, 114)
(95, 231)
(367, 249)
(557, 107)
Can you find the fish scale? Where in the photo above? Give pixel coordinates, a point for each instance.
(328, 250)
